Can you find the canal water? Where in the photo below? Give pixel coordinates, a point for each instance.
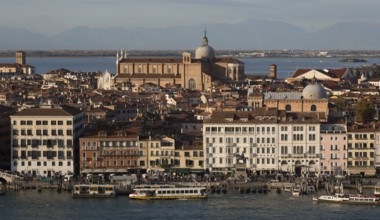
(30, 204)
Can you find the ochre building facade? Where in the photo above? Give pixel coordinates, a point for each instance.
(194, 73)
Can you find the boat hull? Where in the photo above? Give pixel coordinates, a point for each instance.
(176, 197)
(93, 196)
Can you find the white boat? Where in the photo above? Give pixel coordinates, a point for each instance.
(94, 191)
(296, 190)
(150, 192)
(376, 190)
(347, 199)
(288, 188)
(338, 197)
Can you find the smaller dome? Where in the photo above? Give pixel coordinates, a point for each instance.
(314, 91)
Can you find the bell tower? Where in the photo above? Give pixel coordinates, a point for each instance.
(20, 57)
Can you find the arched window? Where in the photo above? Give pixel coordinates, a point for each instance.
(169, 69)
(288, 108)
(192, 84)
(313, 108)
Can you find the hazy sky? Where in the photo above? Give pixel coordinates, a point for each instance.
(52, 16)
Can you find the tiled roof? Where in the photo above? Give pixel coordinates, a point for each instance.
(263, 116)
(151, 75)
(176, 60)
(334, 73)
(151, 60)
(65, 111)
(283, 95)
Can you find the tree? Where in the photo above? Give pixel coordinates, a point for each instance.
(365, 111)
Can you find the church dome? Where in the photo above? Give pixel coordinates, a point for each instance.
(205, 51)
(314, 91)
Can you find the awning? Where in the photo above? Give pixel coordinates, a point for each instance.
(181, 170)
(197, 171)
(98, 171)
(109, 170)
(122, 171)
(87, 171)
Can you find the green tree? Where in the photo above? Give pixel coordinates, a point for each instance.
(365, 111)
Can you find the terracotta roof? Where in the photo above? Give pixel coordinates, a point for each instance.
(228, 60)
(334, 73)
(175, 60)
(152, 76)
(151, 60)
(14, 65)
(65, 111)
(263, 116)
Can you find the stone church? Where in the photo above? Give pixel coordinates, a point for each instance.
(193, 73)
(105, 81)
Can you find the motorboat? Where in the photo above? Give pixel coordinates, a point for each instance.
(296, 190)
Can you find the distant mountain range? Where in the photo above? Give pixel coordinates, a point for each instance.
(249, 35)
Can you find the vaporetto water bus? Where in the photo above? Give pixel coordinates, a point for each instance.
(150, 192)
(94, 191)
(349, 199)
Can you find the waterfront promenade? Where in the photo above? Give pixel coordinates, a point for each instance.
(212, 186)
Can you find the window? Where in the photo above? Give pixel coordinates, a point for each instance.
(154, 68)
(288, 108)
(313, 108)
(69, 122)
(192, 84)
(60, 122)
(139, 68)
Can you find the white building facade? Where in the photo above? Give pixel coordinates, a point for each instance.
(45, 141)
(269, 140)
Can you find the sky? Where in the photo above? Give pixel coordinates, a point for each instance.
(50, 17)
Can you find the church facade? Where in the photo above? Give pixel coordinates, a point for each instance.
(105, 81)
(193, 73)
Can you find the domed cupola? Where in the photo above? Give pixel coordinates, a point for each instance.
(314, 91)
(205, 51)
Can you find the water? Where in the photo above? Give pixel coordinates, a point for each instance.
(285, 66)
(29, 204)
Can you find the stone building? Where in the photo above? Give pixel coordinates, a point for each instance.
(313, 98)
(20, 67)
(194, 73)
(45, 140)
(109, 151)
(105, 81)
(268, 139)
